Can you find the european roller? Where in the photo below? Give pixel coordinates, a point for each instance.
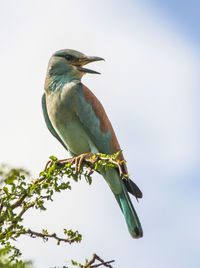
(75, 116)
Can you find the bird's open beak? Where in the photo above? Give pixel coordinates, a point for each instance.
(85, 61)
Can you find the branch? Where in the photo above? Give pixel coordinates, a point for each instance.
(19, 201)
(17, 195)
(94, 258)
(15, 220)
(90, 160)
(34, 234)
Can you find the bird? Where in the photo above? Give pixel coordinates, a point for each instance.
(77, 119)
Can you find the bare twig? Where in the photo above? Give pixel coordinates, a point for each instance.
(94, 258)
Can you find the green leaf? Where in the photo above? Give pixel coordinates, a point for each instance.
(53, 158)
(5, 189)
(10, 180)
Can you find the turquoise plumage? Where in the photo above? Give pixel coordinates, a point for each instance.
(77, 119)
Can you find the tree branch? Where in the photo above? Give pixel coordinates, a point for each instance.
(34, 234)
(18, 195)
(94, 258)
(89, 162)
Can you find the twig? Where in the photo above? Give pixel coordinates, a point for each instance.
(19, 201)
(24, 209)
(15, 220)
(34, 234)
(88, 161)
(102, 262)
(1, 207)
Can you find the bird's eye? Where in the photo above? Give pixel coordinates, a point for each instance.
(69, 57)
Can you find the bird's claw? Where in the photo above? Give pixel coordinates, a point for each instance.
(78, 160)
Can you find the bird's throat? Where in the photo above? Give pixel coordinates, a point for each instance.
(56, 83)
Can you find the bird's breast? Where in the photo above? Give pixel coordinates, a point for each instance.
(62, 107)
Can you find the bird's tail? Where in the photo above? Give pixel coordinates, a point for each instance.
(130, 215)
(119, 190)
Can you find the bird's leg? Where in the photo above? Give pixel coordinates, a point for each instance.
(79, 159)
(75, 160)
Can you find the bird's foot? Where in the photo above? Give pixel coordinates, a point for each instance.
(75, 160)
(78, 160)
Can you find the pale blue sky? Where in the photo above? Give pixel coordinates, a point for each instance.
(150, 89)
(185, 13)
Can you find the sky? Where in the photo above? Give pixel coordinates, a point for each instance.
(149, 87)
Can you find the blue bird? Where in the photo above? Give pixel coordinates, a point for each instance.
(78, 120)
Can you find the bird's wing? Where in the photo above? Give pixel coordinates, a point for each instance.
(95, 121)
(48, 122)
(97, 125)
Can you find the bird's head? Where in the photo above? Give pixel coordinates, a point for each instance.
(69, 63)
